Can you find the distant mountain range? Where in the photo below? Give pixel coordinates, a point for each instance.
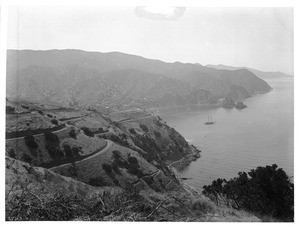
(118, 81)
(261, 74)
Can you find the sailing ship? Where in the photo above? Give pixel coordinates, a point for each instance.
(209, 121)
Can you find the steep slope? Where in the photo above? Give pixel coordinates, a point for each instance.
(79, 78)
(124, 149)
(34, 193)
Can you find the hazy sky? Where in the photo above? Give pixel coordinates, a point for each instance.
(260, 38)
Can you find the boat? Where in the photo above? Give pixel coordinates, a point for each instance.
(209, 121)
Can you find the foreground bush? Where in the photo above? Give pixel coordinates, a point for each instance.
(264, 190)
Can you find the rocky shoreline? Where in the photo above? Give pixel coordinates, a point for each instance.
(185, 161)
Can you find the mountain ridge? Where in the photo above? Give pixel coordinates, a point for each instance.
(56, 75)
(259, 73)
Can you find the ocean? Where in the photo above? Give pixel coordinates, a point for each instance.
(240, 140)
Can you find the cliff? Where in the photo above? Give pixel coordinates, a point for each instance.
(228, 102)
(240, 105)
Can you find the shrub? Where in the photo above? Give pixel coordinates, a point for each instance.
(203, 206)
(54, 152)
(116, 182)
(144, 128)
(116, 154)
(54, 121)
(40, 112)
(10, 109)
(30, 142)
(25, 107)
(51, 137)
(149, 180)
(68, 151)
(49, 115)
(132, 131)
(132, 160)
(87, 132)
(157, 134)
(76, 151)
(107, 168)
(133, 169)
(11, 153)
(115, 138)
(97, 181)
(73, 170)
(101, 130)
(73, 134)
(159, 124)
(26, 158)
(265, 190)
(115, 168)
(103, 137)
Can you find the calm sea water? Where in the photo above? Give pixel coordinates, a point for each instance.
(241, 140)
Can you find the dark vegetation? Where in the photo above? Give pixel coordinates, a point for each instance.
(54, 121)
(107, 168)
(264, 190)
(11, 153)
(60, 160)
(26, 158)
(73, 170)
(30, 142)
(144, 128)
(40, 112)
(17, 134)
(87, 132)
(154, 152)
(49, 136)
(71, 152)
(157, 134)
(10, 110)
(52, 145)
(130, 164)
(73, 134)
(132, 131)
(25, 107)
(100, 130)
(122, 141)
(158, 123)
(97, 181)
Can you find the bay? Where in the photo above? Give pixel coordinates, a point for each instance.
(240, 140)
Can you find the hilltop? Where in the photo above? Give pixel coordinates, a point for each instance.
(117, 81)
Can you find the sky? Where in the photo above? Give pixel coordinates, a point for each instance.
(260, 38)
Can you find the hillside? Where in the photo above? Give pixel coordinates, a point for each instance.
(117, 81)
(71, 164)
(261, 74)
(34, 193)
(121, 149)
